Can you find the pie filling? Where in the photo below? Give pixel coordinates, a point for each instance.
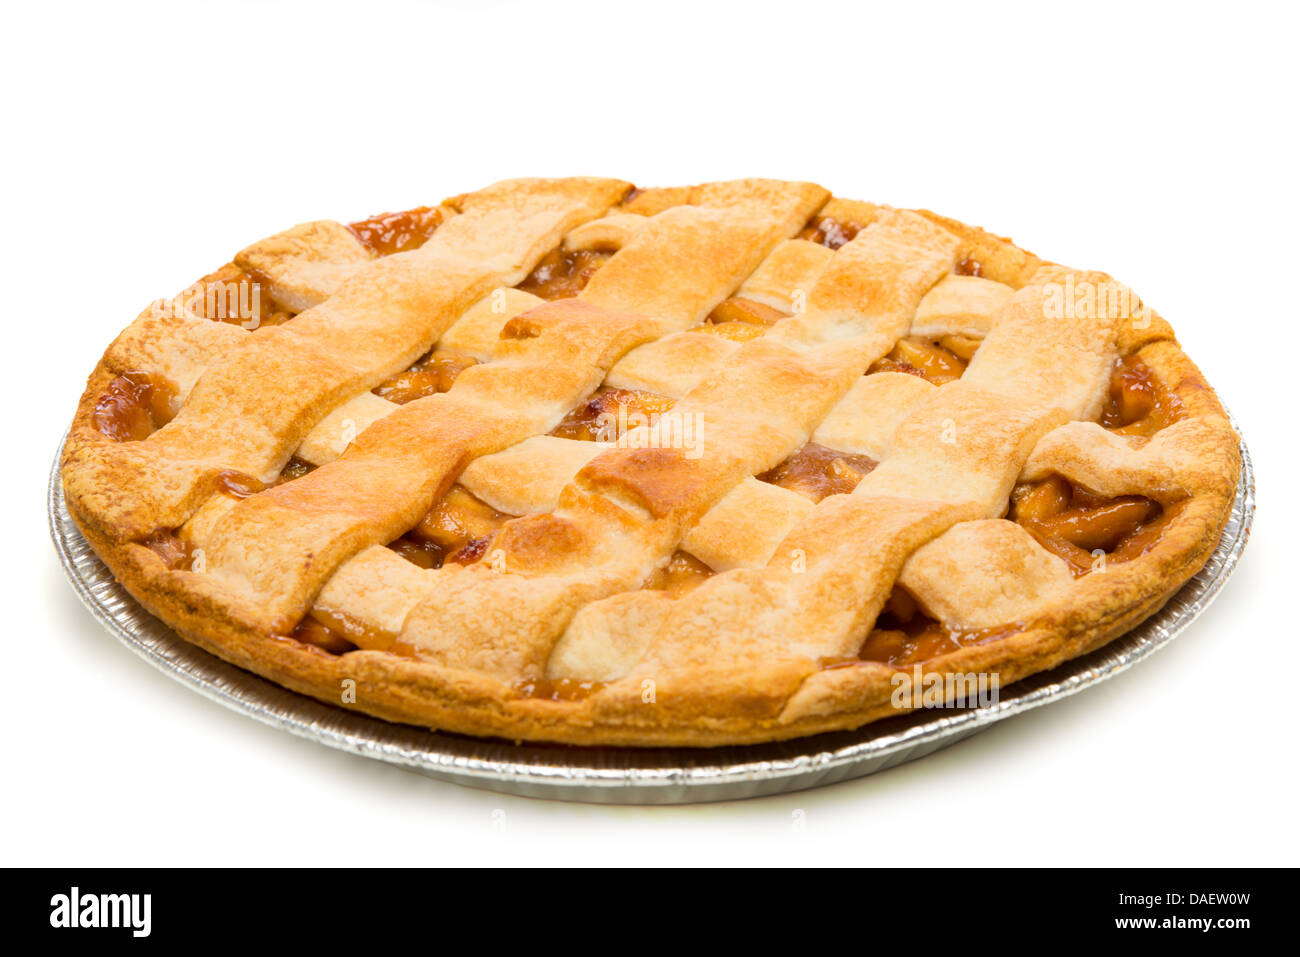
(435, 373)
(458, 529)
(935, 360)
(296, 469)
(562, 275)
(609, 413)
(1085, 529)
(682, 573)
(237, 296)
(556, 689)
(829, 232)
(390, 233)
(904, 634)
(1137, 403)
(311, 631)
(816, 472)
(740, 319)
(175, 552)
(337, 634)
(133, 406)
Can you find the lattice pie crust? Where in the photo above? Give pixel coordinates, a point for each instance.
(563, 460)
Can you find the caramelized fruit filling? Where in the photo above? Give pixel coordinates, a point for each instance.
(556, 689)
(390, 233)
(433, 374)
(457, 529)
(830, 233)
(175, 553)
(741, 319)
(816, 471)
(969, 267)
(295, 469)
(419, 552)
(601, 417)
(133, 406)
(1073, 523)
(935, 361)
(904, 634)
(311, 631)
(236, 296)
(237, 484)
(681, 574)
(562, 275)
(338, 634)
(1137, 402)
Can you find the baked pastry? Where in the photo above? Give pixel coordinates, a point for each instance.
(565, 460)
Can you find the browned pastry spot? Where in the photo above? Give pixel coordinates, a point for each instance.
(562, 275)
(904, 634)
(389, 233)
(133, 406)
(829, 232)
(1071, 522)
(596, 420)
(935, 361)
(433, 374)
(816, 472)
(969, 267)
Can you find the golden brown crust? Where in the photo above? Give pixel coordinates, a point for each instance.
(751, 699)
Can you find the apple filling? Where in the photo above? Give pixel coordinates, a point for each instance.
(816, 472)
(935, 360)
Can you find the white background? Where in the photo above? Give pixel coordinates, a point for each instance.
(145, 144)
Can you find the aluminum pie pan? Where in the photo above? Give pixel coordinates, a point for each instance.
(627, 775)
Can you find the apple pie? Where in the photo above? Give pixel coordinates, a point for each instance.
(566, 460)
